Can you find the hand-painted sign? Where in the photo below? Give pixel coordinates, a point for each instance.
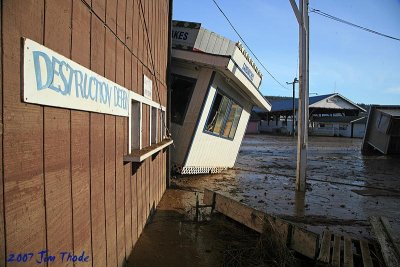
(184, 34)
(54, 80)
(248, 72)
(147, 87)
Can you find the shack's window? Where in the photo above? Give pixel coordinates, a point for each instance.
(224, 116)
(182, 89)
(383, 123)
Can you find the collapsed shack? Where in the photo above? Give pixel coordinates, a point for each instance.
(214, 86)
(288, 239)
(383, 130)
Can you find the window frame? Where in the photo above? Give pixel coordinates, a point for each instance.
(183, 77)
(226, 116)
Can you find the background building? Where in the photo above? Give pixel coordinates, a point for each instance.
(329, 115)
(64, 183)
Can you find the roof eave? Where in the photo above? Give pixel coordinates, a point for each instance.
(228, 67)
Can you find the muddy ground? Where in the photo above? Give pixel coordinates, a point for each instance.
(344, 188)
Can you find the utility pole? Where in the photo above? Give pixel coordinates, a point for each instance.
(294, 109)
(301, 14)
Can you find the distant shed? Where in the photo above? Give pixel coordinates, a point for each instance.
(383, 130)
(214, 88)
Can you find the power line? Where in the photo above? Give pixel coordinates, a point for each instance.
(319, 12)
(153, 65)
(233, 27)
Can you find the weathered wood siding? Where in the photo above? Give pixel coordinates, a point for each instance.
(63, 183)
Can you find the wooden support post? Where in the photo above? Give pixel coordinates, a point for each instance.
(302, 139)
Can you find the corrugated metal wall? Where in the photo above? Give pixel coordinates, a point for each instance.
(62, 173)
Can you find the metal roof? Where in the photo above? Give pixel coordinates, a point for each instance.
(287, 104)
(391, 112)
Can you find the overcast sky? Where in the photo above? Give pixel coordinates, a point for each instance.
(357, 64)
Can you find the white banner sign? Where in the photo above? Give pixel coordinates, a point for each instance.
(147, 87)
(54, 80)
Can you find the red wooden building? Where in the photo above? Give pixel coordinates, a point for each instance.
(81, 176)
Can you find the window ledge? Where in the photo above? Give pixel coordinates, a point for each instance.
(138, 155)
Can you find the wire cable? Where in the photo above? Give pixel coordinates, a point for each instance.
(153, 67)
(319, 12)
(244, 42)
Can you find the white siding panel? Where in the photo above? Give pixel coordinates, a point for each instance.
(211, 151)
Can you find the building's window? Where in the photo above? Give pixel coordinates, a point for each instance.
(163, 126)
(224, 117)
(136, 125)
(322, 125)
(154, 128)
(383, 123)
(182, 89)
(342, 127)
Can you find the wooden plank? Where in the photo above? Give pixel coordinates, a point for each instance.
(120, 189)
(97, 186)
(135, 28)
(111, 15)
(146, 190)
(387, 247)
(24, 210)
(99, 7)
(394, 236)
(135, 203)
(57, 147)
(80, 159)
(348, 252)
(110, 55)
(80, 49)
(97, 46)
(120, 63)
(324, 253)
(110, 184)
(139, 155)
(97, 153)
(121, 10)
(235, 210)
(139, 192)
(2, 230)
(135, 86)
(304, 242)
(128, 210)
(109, 151)
(129, 24)
(336, 251)
(80, 167)
(58, 180)
(134, 184)
(127, 167)
(366, 256)
(128, 69)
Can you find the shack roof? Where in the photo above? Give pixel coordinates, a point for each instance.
(192, 43)
(391, 112)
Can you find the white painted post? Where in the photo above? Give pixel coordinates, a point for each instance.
(302, 140)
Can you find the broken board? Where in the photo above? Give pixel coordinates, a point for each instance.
(298, 239)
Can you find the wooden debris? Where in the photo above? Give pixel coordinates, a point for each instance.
(298, 239)
(383, 234)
